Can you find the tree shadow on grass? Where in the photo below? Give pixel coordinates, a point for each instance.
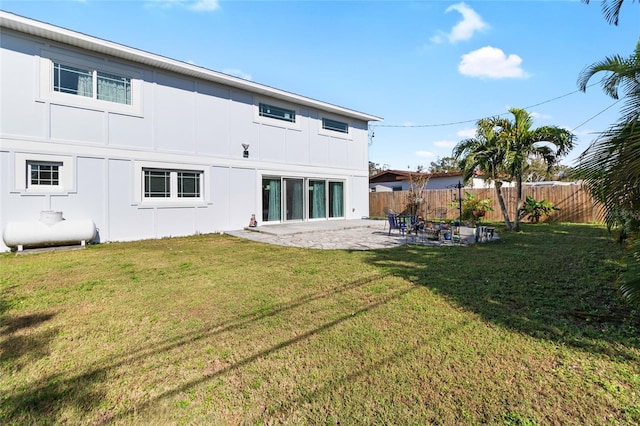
(48, 396)
(551, 282)
(21, 340)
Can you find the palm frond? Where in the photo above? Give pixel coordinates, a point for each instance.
(610, 10)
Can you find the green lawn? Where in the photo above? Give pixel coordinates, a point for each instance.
(217, 330)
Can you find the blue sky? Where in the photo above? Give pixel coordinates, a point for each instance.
(421, 65)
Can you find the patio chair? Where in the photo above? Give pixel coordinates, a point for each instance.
(387, 211)
(394, 223)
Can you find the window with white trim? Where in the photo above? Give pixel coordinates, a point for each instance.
(270, 111)
(172, 184)
(335, 125)
(189, 184)
(91, 83)
(45, 174)
(80, 80)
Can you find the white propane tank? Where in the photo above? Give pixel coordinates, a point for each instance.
(51, 230)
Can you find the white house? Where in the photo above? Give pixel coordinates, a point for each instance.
(398, 180)
(146, 147)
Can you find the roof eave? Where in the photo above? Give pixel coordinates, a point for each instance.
(94, 44)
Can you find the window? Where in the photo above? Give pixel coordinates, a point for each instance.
(157, 184)
(161, 184)
(114, 88)
(278, 113)
(68, 79)
(43, 174)
(334, 125)
(91, 83)
(189, 184)
(172, 184)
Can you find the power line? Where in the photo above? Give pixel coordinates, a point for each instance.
(589, 119)
(372, 126)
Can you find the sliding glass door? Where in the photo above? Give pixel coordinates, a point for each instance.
(336, 199)
(298, 199)
(271, 199)
(317, 199)
(294, 199)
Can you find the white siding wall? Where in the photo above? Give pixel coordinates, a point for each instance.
(180, 121)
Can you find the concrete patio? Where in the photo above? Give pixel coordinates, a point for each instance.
(358, 234)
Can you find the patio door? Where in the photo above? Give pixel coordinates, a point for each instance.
(336, 199)
(271, 199)
(294, 199)
(317, 199)
(297, 199)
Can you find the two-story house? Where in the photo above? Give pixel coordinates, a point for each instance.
(147, 147)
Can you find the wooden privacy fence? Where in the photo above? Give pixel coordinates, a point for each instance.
(575, 204)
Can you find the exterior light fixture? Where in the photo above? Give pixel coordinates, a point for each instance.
(245, 153)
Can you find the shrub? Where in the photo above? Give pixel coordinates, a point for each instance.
(534, 210)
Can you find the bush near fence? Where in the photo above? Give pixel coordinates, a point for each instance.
(575, 204)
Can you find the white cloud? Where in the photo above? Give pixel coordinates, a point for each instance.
(445, 144)
(237, 73)
(204, 5)
(425, 154)
(195, 5)
(467, 133)
(471, 22)
(491, 62)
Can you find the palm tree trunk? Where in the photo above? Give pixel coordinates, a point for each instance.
(516, 220)
(503, 207)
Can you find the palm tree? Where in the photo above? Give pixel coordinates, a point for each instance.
(610, 167)
(485, 153)
(611, 9)
(503, 149)
(523, 144)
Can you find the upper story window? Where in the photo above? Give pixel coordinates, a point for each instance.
(91, 83)
(278, 113)
(334, 125)
(75, 79)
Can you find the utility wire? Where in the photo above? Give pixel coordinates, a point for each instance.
(372, 126)
(589, 119)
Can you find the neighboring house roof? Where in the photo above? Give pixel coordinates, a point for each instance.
(551, 183)
(400, 175)
(94, 44)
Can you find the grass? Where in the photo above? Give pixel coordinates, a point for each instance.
(217, 330)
